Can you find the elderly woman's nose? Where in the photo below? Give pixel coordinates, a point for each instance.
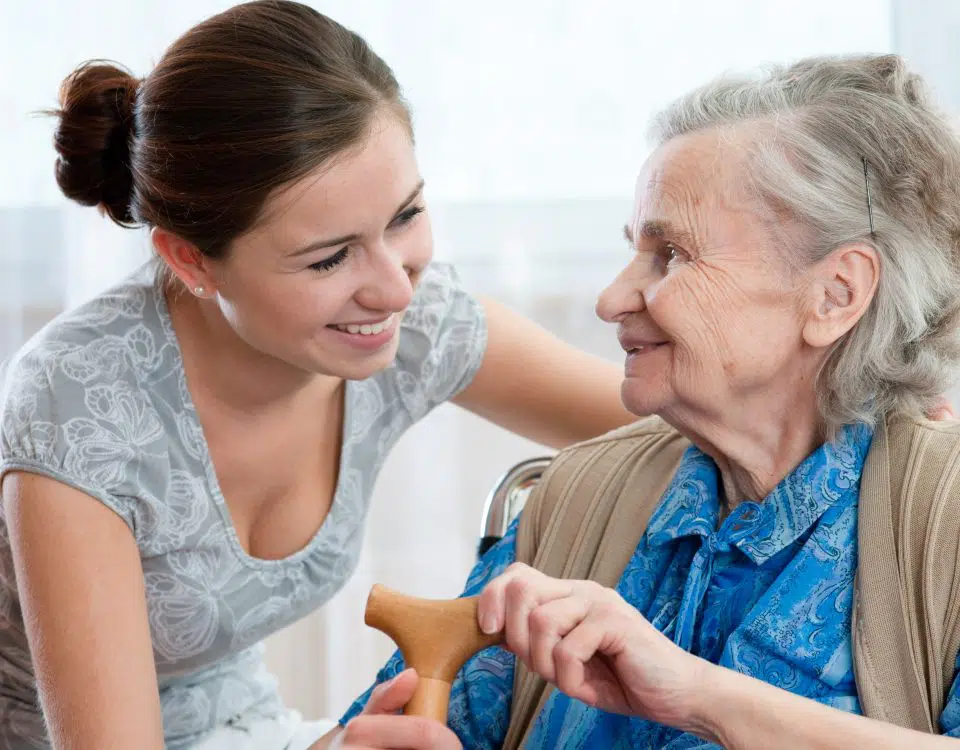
(621, 298)
(606, 307)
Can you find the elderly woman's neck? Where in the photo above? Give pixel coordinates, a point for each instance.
(754, 455)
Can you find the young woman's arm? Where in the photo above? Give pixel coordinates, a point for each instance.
(81, 589)
(534, 384)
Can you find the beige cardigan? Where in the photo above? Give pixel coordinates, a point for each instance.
(592, 506)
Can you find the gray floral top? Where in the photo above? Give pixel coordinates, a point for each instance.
(98, 400)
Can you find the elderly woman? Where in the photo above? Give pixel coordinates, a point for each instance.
(791, 311)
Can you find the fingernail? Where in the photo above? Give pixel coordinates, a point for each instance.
(488, 623)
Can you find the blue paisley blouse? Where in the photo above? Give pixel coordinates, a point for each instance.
(769, 593)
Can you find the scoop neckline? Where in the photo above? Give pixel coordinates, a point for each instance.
(330, 521)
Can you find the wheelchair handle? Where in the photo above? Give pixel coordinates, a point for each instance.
(507, 499)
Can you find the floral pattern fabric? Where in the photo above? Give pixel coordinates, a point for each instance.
(768, 592)
(98, 400)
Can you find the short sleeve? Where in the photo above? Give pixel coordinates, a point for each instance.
(59, 420)
(443, 338)
(482, 692)
(950, 718)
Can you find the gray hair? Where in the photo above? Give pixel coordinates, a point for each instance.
(819, 120)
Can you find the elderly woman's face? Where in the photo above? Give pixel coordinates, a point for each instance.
(707, 309)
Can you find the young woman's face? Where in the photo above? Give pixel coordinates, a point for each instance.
(323, 281)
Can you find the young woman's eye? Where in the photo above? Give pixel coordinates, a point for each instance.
(332, 262)
(407, 216)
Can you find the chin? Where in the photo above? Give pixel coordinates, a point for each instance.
(359, 368)
(641, 399)
(357, 372)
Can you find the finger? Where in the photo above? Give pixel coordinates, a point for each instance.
(522, 595)
(572, 653)
(393, 695)
(408, 732)
(490, 606)
(549, 623)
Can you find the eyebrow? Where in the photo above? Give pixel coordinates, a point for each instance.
(348, 238)
(659, 229)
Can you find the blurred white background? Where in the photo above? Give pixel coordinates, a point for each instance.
(530, 119)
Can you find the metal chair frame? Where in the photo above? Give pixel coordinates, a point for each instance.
(507, 499)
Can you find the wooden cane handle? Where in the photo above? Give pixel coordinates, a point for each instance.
(431, 699)
(436, 637)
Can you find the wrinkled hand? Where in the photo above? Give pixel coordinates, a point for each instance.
(380, 726)
(585, 639)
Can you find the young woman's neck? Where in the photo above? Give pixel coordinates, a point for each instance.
(232, 372)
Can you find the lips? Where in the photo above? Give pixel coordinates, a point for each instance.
(644, 348)
(637, 344)
(365, 328)
(638, 349)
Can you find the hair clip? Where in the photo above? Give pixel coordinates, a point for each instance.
(866, 182)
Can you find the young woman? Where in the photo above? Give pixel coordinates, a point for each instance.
(187, 459)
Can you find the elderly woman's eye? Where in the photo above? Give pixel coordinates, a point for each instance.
(671, 252)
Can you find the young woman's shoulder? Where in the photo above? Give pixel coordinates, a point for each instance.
(443, 338)
(75, 400)
(95, 342)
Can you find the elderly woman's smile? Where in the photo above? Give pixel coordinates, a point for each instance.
(637, 344)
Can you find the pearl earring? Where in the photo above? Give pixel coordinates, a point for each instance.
(200, 290)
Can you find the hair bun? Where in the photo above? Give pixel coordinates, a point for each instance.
(93, 136)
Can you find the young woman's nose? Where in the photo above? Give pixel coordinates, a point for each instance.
(390, 281)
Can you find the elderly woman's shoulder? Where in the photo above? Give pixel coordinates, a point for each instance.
(931, 446)
(920, 456)
(648, 440)
(643, 429)
(945, 431)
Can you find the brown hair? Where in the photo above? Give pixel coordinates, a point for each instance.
(247, 101)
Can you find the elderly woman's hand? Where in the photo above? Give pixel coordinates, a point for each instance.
(594, 647)
(589, 642)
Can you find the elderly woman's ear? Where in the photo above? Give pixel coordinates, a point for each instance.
(840, 290)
